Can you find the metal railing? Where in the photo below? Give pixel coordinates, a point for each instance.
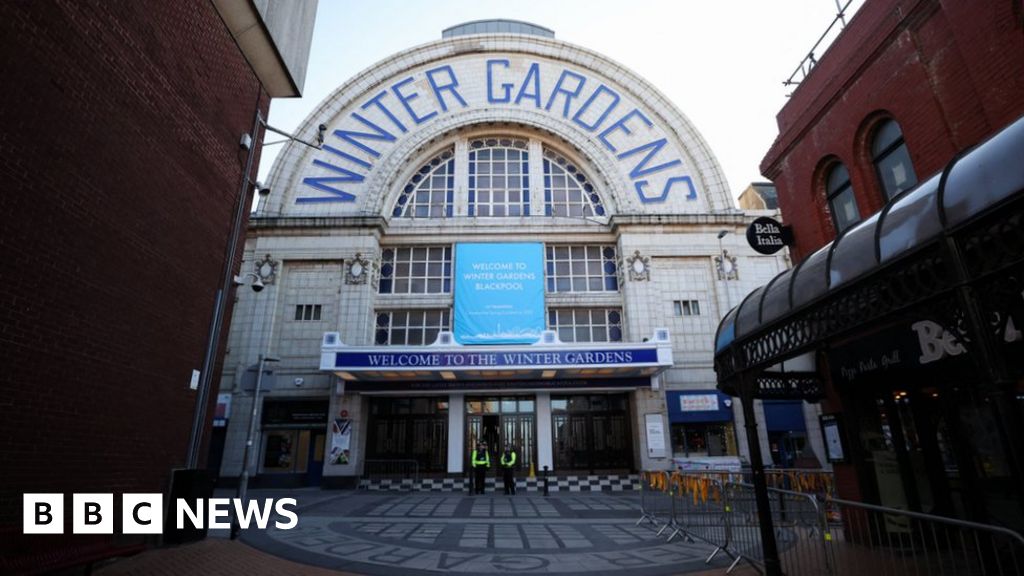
(406, 472)
(809, 61)
(818, 534)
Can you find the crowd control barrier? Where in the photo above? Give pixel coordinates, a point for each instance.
(818, 534)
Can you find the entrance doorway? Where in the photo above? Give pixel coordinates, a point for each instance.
(936, 449)
(591, 433)
(502, 421)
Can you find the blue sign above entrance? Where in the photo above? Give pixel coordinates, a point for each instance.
(499, 293)
(495, 359)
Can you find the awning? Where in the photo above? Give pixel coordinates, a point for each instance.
(687, 406)
(449, 365)
(784, 416)
(962, 226)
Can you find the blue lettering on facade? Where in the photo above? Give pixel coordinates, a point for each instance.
(639, 170)
(532, 75)
(451, 86)
(592, 116)
(495, 359)
(506, 88)
(322, 183)
(569, 94)
(578, 116)
(350, 136)
(376, 101)
(406, 100)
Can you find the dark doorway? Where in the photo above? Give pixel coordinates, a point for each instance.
(508, 420)
(591, 433)
(315, 471)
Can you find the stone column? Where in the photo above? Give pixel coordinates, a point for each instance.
(456, 432)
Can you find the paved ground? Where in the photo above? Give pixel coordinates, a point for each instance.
(426, 533)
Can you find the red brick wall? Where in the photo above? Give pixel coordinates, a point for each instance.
(949, 71)
(119, 157)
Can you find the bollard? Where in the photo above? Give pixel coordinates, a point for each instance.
(545, 480)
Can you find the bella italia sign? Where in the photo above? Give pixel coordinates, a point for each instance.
(397, 107)
(766, 236)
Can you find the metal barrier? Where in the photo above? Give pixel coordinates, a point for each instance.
(798, 522)
(407, 472)
(820, 535)
(878, 540)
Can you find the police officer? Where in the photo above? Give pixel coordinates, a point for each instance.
(481, 461)
(508, 463)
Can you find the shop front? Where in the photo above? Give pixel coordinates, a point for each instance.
(292, 442)
(908, 329)
(702, 430)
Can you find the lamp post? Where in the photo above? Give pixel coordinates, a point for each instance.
(248, 142)
(248, 453)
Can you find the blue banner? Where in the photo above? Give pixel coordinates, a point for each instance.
(499, 293)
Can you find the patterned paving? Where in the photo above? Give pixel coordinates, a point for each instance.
(417, 533)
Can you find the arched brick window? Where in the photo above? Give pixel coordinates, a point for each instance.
(841, 200)
(892, 160)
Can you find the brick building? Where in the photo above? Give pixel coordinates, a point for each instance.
(122, 168)
(947, 74)
(897, 167)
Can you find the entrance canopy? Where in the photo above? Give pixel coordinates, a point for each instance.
(447, 365)
(950, 250)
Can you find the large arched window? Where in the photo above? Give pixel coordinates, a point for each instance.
(499, 177)
(429, 193)
(841, 201)
(892, 160)
(566, 189)
(494, 176)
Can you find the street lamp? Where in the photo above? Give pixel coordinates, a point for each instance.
(230, 280)
(248, 454)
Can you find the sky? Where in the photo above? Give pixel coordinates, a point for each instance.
(721, 62)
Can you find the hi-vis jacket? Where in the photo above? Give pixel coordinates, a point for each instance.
(485, 461)
(511, 461)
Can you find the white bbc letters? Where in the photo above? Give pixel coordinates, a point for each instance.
(92, 514)
(142, 514)
(43, 514)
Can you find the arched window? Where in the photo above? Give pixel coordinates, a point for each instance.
(429, 193)
(499, 181)
(841, 201)
(892, 160)
(566, 189)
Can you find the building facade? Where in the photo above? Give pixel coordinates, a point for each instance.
(897, 167)
(504, 238)
(120, 155)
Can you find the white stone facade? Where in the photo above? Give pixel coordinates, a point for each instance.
(314, 243)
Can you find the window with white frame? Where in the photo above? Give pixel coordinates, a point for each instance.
(566, 189)
(499, 177)
(586, 324)
(308, 312)
(582, 269)
(410, 327)
(416, 270)
(686, 307)
(430, 191)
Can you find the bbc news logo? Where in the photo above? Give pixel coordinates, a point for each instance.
(144, 513)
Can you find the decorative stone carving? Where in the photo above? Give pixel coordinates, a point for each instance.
(266, 269)
(639, 267)
(726, 266)
(357, 270)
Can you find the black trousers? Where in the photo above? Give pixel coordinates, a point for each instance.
(479, 479)
(510, 480)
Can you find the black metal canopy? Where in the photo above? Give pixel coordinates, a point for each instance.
(961, 229)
